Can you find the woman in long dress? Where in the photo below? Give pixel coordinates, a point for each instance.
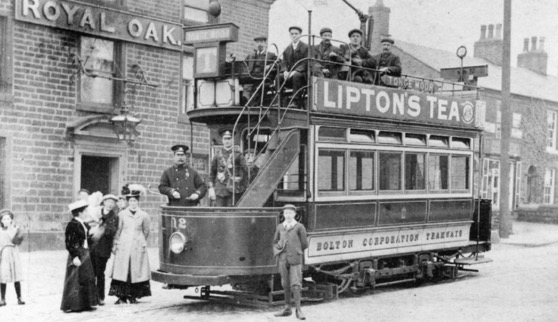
(80, 293)
(131, 272)
(10, 263)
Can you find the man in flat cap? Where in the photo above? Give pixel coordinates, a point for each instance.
(358, 56)
(258, 64)
(294, 66)
(180, 183)
(227, 177)
(388, 63)
(329, 56)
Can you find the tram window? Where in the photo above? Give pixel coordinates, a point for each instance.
(332, 134)
(460, 172)
(440, 141)
(438, 167)
(415, 139)
(331, 172)
(362, 136)
(414, 171)
(361, 170)
(461, 143)
(390, 171)
(390, 137)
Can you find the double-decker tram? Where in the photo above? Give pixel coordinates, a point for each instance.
(382, 177)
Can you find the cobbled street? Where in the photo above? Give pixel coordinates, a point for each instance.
(519, 285)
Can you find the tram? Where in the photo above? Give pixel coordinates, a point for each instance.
(382, 177)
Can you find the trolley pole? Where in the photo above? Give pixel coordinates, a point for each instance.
(505, 226)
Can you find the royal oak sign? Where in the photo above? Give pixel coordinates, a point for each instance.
(100, 21)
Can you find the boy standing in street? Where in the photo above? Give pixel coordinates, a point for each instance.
(289, 244)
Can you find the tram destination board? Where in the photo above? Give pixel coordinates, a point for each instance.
(335, 96)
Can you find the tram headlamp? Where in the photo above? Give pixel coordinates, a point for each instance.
(177, 241)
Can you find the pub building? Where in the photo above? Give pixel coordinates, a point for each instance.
(93, 95)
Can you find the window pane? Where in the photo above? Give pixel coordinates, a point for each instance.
(390, 137)
(96, 90)
(438, 172)
(390, 171)
(461, 143)
(361, 171)
(331, 170)
(415, 139)
(460, 172)
(440, 141)
(362, 136)
(414, 171)
(187, 83)
(98, 55)
(331, 134)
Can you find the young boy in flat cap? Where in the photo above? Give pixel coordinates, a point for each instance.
(329, 56)
(289, 244)
(359, 57)
(180, 183)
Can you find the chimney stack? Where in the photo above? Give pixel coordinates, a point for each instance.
(490, 47)
(380, 14)
(534, 59)
(490, 31)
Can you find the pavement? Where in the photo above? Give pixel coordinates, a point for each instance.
(44, 276)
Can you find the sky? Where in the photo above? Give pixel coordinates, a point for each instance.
(441, 24)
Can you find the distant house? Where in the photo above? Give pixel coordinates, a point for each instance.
(534, 140)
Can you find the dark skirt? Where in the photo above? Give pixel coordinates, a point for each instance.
(80, 292)
(127, 290)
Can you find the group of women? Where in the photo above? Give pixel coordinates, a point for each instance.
(124, 235)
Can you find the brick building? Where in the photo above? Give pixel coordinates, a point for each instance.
(61, 69)
(534, 104)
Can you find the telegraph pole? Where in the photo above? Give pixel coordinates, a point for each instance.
(505, 227)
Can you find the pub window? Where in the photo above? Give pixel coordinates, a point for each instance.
(332, 134)
(390, 171)
(331, 172)
(438, 168)
(552, 125)
(187, 84)
(362, 136)
(390, 137)
(415, 139)
(548, 192)
(460, 172)
(361, 170)
(415, 171)
(438, 141)
(461, 143)
(98, 91)
(196, 10)
(5, 66)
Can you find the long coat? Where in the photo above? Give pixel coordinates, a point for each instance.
(391, 61)
(130, 243)
(103, 246)
(186, 181)
(221, 171)
(291, 57)
(256, 62)
(290, 243)
(79, 283)
(322, 51)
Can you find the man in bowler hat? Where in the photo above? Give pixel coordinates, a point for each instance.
(289, 244)
(180, 183)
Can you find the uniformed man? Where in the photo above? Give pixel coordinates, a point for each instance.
(222, 178)
(359, 57)
(180, 183)
(388, 63)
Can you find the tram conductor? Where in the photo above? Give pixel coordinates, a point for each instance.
(180, 183)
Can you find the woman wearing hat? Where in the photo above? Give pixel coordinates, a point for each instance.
(130, 271)
(79, 293)
(102, 238)
(10, 263)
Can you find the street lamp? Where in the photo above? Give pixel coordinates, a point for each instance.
(125, 126)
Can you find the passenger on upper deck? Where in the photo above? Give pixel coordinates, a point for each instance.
(258, 64)
(388, 63)
(360, 57)
(180, 183)
(325, 52)
(293, 68)
(222, 177)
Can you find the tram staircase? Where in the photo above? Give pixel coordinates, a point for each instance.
(278, 158)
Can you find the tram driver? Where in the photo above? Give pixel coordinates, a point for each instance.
(180, 183)
(225, 181)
